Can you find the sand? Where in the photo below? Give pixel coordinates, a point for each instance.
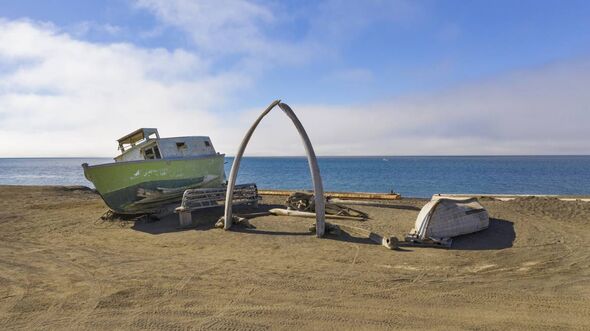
(63, 268)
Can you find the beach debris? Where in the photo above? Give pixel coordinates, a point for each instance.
(297, 213)
(253, 215)
(336, 229)
(201, 198)
(311, 159)
(306, 202)
(442, 219)
(358, 202)
(341, 195)
(237, 220)
(125, 219)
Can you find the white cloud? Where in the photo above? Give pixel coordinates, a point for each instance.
(260, 30)
(341, 20)
(223, 26)
(83, 28)
(62, 96)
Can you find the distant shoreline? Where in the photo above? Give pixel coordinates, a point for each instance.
(319, 156)
(410, 176)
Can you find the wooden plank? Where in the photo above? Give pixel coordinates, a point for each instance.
(341, 195)
(297, 213)
(359, 203)
(508, 197)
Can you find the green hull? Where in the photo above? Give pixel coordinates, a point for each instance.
(146, 186)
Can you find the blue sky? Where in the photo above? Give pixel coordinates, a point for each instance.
(372, 77)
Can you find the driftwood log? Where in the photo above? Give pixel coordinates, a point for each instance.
(343, 195)
(359, 203)
(297, 213)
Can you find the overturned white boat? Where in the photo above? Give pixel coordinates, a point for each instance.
(442, 219)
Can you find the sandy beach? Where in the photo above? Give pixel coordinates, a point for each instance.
(61, 267)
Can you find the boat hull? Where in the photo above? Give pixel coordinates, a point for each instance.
(147, 186)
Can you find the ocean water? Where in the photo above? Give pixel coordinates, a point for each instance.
(411, 176)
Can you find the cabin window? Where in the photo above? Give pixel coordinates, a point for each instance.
(207, 143)
(149, 154)
(180, 145)
(152, 153)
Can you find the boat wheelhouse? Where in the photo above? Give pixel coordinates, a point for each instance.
(146, 144)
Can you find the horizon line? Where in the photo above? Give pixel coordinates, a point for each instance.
(318, 156)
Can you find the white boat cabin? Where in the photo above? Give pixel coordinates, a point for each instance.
(146, 144)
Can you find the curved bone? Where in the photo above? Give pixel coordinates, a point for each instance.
(311, 159)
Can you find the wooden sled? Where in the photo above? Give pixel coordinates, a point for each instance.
(196, 199)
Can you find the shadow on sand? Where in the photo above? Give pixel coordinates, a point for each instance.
(205, 220)
(499, 235)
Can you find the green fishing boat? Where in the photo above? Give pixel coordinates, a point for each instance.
(152, 173)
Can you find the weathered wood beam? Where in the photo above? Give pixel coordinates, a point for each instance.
(297, 213)
(341, 195)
